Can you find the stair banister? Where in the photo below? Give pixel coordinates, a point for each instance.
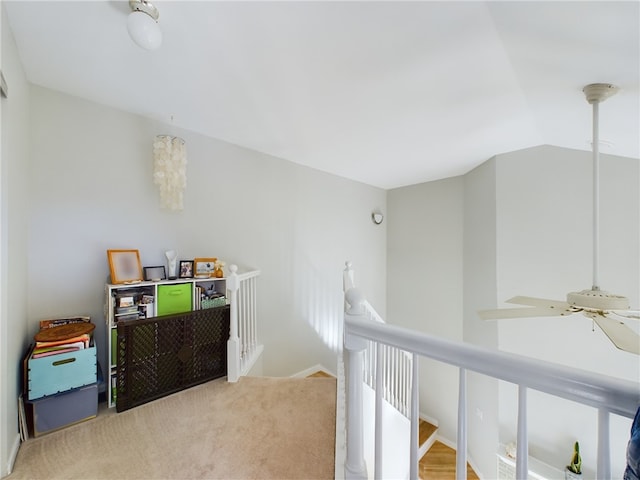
(243, 349)
(607, 394)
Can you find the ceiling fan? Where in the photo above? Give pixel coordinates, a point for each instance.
(605, 309)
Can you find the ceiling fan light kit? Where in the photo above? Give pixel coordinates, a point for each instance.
(142, 24)
(595, 304)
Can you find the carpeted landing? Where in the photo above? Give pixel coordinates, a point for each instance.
(258, 428)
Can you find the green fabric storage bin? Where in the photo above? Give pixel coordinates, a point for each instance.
(174, 298)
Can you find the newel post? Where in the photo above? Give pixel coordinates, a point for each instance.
(233, 344)
(354, 346)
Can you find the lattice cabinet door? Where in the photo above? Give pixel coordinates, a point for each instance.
(162, 355)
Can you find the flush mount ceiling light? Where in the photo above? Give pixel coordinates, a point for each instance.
(142, 24)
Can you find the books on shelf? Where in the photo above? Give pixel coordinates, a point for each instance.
(133, 305)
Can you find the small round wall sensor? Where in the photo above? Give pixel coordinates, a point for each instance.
(377, 218)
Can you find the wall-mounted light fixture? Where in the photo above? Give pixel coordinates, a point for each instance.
(377, 217)
(170, 170)
(142, 24)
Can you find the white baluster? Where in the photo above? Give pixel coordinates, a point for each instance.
(603, 468)
(233, 344)
(254, 313)
(413, 465)
(522, 449)
(461, 448)
(377, 472)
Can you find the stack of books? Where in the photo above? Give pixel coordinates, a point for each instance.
(62, 336)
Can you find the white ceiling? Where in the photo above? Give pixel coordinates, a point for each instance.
(386, 93)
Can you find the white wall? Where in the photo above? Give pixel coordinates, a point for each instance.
(544, 238)
(479, 292)
(14, 190)
(424, 286)
(91, 190)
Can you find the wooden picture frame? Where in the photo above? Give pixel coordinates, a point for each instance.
(204, 267)
(185, 269)
(125, 266)
(155, 274)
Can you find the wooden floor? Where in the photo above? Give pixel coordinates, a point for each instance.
(321, 374)
(439, 463)
(425, 430)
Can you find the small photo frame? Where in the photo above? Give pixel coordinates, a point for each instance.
(204, 267)
(155, 274)
(186, 269)
(125, 266)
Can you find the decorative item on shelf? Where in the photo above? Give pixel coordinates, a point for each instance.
(574, 469)
(170, 170)
(204, 267)
(125, 266)
(171, 263)
(186, 268)
(218, 269)
(154, 274)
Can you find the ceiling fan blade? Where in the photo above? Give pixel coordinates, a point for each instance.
(620, 335)
(541, 302)
(627, 313)
(528, 312)
(536, 307)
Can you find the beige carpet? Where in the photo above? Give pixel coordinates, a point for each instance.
(258, 428)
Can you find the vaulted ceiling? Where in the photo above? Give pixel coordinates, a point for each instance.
(386, 93)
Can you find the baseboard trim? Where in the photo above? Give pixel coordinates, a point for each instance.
(13, 454)
(429, 419)
(312, 370)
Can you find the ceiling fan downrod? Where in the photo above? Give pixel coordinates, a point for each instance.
(595, 94)
(596, 299)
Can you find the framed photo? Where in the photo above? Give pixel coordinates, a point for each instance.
(125, 266)
(204, 267)
(154, 273)
(186, 269)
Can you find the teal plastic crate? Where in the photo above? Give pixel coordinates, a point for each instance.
(62, 372)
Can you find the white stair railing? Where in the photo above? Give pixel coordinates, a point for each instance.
(242, 346)
(395, 365)
(608, 395)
